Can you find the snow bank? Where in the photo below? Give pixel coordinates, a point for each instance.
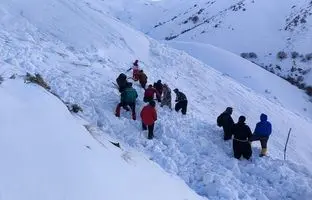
(46, 154)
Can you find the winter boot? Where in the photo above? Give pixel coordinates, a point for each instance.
(263, 152)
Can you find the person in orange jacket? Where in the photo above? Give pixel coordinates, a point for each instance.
(149, 116)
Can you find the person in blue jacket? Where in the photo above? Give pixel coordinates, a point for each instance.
(262, 133)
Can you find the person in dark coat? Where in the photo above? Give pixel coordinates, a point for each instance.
(166, 97)
(149, 94)
(142, 79)
(149, 116)
(122, 82)
(242, 134)
(225, 121)
(181, 101)
(159, 87)
(127, 98)
(262, 133)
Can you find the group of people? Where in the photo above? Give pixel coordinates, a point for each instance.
(242, 135)
(128, 96)
(240, 131)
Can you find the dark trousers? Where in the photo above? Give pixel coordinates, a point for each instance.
(242, 149)
(158, 96)
(143, 84)
(125, 106)
(150, 130)
(227, 133)
(263, 140)
(181, 105)
(148, 99)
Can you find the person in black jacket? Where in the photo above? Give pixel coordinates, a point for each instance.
(159, 87)
(181, 101)
(225, 121)
(242, 134)
(122, 82)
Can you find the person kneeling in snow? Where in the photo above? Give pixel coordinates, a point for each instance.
(181, 101)
(242, 134)
(262, 132)
(127, 98)
(149, 116)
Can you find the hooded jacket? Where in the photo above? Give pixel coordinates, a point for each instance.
(148, 115)
(263, 128)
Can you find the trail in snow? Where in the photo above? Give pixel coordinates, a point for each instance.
(47, 154)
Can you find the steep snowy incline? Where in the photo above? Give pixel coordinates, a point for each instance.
(47, 154)
(189, 146)
(290, 97)
(274, 34)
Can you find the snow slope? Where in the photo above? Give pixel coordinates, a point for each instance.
(47, 154)
(274, 88)
(263, 28)
(189, 146)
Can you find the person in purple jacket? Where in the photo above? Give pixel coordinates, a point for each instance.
(262, 133)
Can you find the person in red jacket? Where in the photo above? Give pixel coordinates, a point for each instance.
(149, 94)
(149, 116)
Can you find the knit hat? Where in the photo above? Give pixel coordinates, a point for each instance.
(242, 119)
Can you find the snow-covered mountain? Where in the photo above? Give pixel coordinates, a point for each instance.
(273, 34)
(80, 48)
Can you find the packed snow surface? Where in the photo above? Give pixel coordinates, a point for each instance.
(83, 54)
(47, 154)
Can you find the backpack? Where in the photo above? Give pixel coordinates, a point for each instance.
(220, 120)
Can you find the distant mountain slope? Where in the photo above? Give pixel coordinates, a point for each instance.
(258, 30)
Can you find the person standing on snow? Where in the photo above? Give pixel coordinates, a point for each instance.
(225, 121)
(149, 116)
(149, 94)
(159, 88)
(166, 97)
(127, 98)
(135, 70)
(262, 132)
(142, 78)
(181, 101)
(122, 82)
(242, 134)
